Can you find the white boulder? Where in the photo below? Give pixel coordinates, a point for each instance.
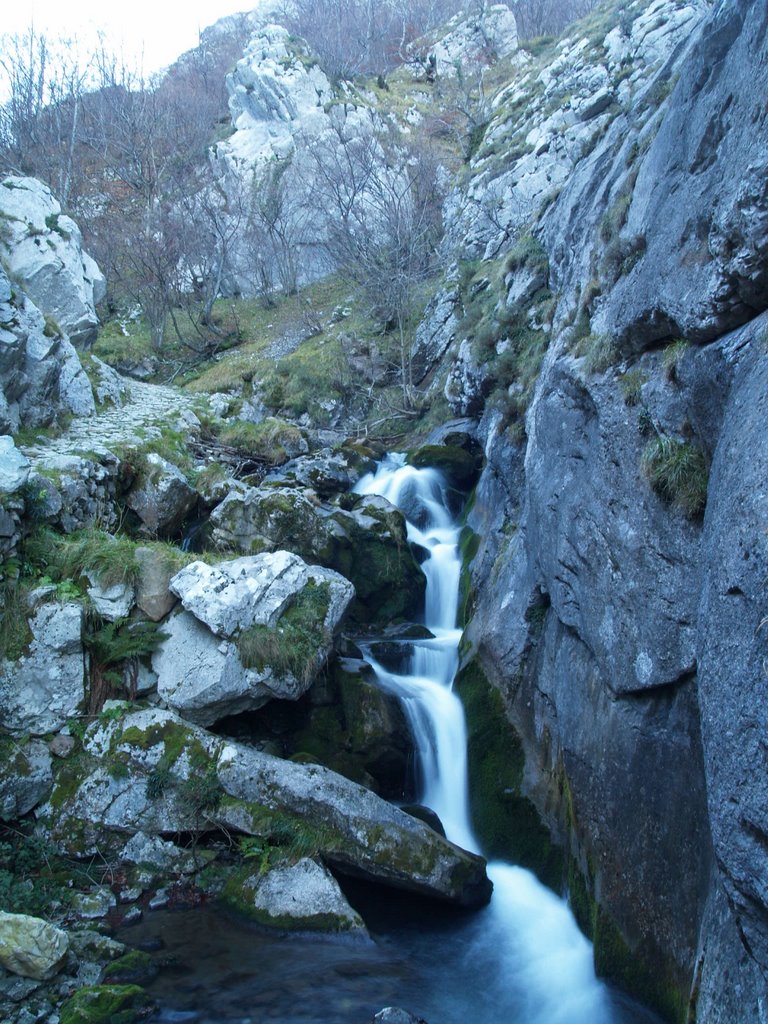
(46, 686)
(44, 253)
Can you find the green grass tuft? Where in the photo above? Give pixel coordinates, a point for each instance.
(294, 643)
(678, 471)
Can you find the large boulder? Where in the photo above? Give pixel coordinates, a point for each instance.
(161, 497)
(251, 629)
(178, 778)
(43, 250)
(153, 594)
(31, 947)
(46, 686)
(363, 537)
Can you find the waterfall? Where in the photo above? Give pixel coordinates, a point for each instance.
(527, 933)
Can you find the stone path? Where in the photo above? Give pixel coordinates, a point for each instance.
(145, 409)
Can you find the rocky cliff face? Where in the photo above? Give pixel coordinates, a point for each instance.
(620, 612)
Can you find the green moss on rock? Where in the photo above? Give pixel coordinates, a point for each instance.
(134, 968)
(505, 821)
(460, 467)
(104, 1004)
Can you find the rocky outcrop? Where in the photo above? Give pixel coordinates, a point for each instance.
(161, 497)
(704, 268)
(252, 629)
(361, 537)
(44, 254)
(26, 778)
(14, 467)
(40, 374)
(178, 778)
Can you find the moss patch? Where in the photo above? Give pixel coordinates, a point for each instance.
(505, 821)
(134, 968)
(104, 1004)
(461, 468)
(296, 643)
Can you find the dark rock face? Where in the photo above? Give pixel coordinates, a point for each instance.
(605, 545)
(701, 197)
(733, 652)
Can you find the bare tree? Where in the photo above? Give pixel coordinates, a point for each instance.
(385, 225)
(548, 17)
(354, 37)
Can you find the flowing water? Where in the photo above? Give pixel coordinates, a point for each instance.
(537, 966)
(520, 960)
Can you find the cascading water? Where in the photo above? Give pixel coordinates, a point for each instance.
(536, 964)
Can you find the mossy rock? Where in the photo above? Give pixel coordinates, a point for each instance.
(134, 968)
(104, 1004)
(505, 821)
(460, 467)
(641, 971)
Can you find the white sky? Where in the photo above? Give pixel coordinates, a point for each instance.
(148, 34)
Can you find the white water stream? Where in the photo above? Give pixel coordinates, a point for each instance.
(536, 966)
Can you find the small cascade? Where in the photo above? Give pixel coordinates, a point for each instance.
(537, 966)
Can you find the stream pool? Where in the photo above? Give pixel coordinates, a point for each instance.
(430, 959)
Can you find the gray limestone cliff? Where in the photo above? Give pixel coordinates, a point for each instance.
(615, 219)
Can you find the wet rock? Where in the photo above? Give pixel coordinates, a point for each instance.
(460, 466)
(31, 947)
(133, 968)
(160, 900)
(45, 687)
(86, 943)
(91, 906)
(325, 473)
(362, 537)
(103, 1004)
(160, 854)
